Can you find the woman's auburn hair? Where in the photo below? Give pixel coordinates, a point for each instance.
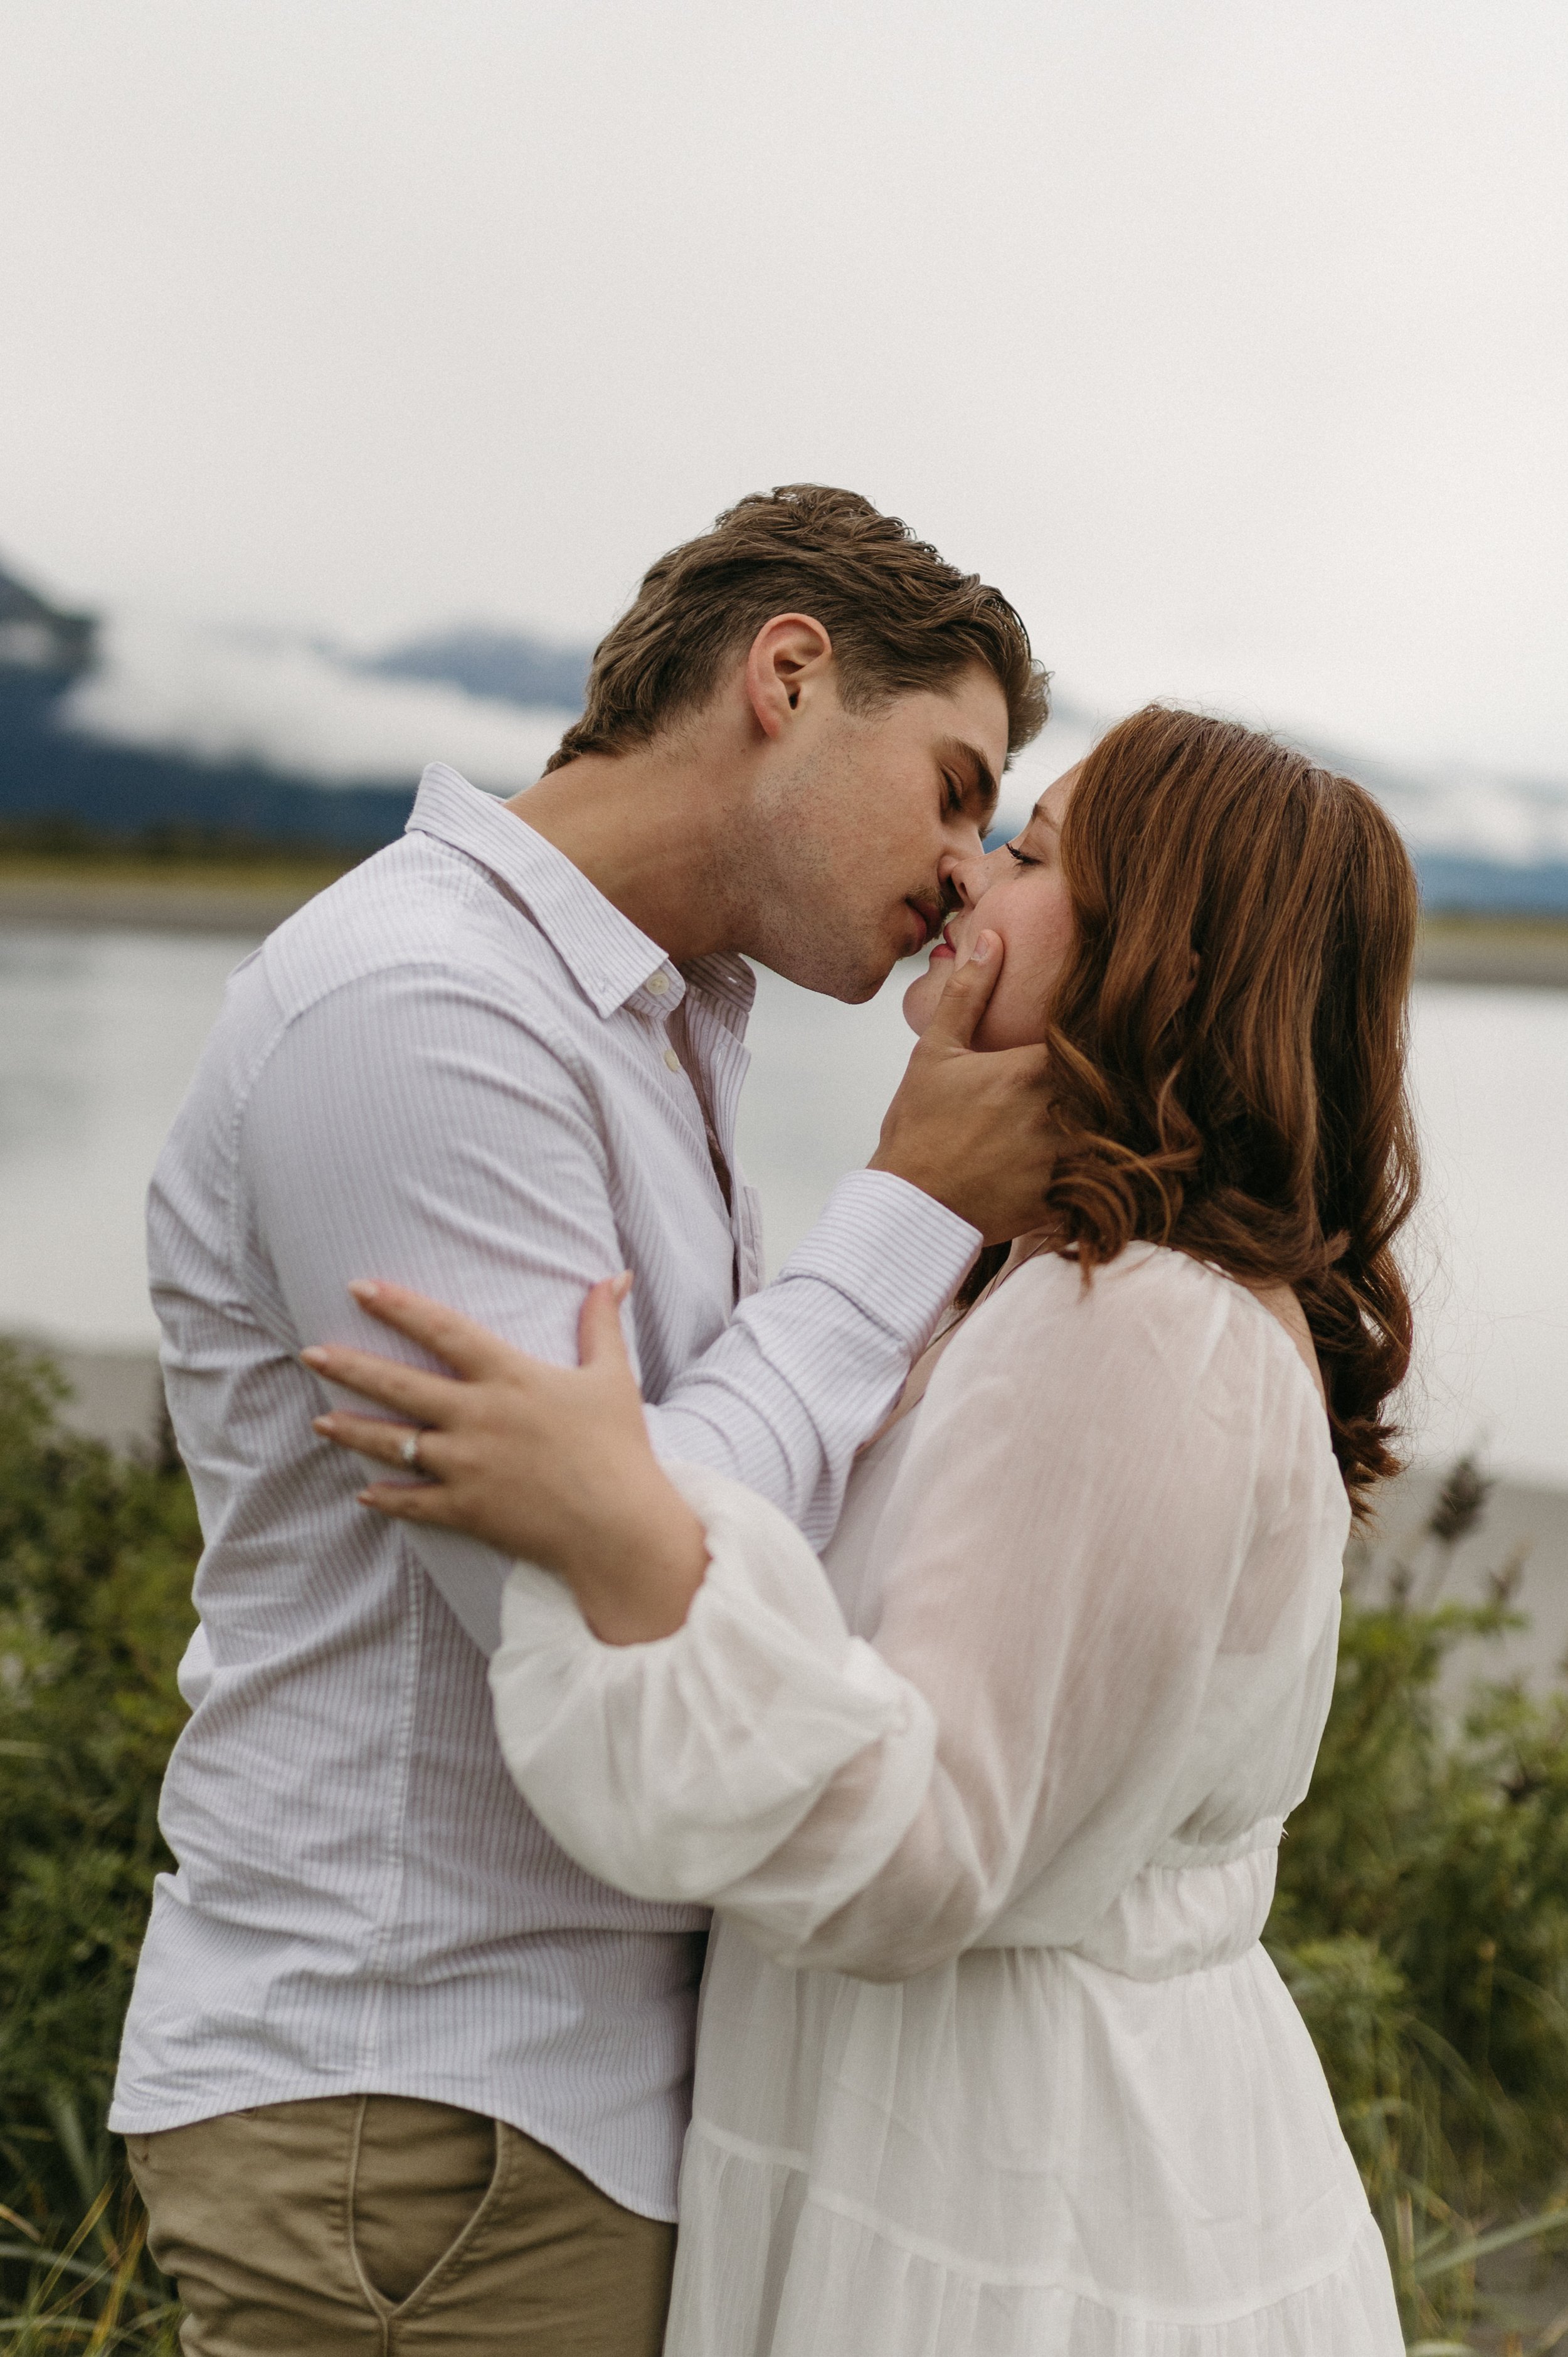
(1228, 1040)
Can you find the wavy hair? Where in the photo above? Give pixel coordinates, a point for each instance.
(900, 617)
(1229, 1040)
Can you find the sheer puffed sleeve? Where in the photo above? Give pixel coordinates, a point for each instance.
(1099, 1587)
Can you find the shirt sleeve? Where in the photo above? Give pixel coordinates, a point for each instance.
(1070, 1585)
(412, 1127)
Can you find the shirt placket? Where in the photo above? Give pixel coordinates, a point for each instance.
(727, 1060)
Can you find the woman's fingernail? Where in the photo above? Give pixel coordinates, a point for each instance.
(621, 1288)
(983, 947)
(364, 1288)
(322, 1424)
(314, 1357)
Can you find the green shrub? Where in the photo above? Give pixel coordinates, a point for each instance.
(96, 1559)
(1422, 1923)
(1422, 1919)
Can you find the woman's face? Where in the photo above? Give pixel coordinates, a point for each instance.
(1018, 893)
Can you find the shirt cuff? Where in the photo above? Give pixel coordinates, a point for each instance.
(899, 1255)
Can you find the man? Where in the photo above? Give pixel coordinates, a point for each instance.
(397, 2075)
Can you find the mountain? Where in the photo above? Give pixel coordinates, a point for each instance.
(137, 726)
(1481, 839)
(142, 728)
(43, 652)
(507, 665)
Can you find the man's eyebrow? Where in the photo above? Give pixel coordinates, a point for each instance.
(979, 780)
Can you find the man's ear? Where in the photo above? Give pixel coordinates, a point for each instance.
(790, 655)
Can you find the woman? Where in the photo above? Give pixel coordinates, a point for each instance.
(990, 2060)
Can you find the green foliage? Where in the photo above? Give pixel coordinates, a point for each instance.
(96, 1559)
(1422, 1919)
(1422, 1922)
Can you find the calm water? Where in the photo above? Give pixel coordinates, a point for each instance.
(99, 1033)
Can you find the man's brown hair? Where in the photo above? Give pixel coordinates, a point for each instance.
(901, 618)
(1228, 1040)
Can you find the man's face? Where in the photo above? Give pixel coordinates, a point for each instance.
(861, 827)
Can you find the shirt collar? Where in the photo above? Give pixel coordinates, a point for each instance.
(610, 959)
(727, 983)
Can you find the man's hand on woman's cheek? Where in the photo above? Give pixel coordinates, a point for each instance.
(971, 1129)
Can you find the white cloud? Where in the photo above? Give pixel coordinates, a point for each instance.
(222, 696)
(1229, 338)
(1464, 811)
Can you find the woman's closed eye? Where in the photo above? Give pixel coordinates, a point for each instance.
(1022, 857)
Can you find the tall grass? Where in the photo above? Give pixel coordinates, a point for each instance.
(1422, 1920)
(96, 1556)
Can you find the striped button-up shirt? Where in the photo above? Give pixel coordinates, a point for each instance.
(456, 1069)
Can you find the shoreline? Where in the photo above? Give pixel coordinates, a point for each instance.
(248, 902)
(1503, 951)
(147, 896)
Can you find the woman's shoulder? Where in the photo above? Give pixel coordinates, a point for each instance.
(1157, 1379)
(1145, 1283)
(1177, 1322)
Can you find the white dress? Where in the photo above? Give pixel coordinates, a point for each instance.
(991, 2062)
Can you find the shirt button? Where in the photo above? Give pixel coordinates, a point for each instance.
(672, 1060)
(658, 984)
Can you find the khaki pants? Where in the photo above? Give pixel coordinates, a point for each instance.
(377, 2224)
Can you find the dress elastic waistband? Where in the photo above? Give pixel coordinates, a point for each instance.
(1168, 1921)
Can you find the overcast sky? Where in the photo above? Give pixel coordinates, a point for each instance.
(1230, 337)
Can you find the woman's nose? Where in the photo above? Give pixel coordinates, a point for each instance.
(966, 879)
